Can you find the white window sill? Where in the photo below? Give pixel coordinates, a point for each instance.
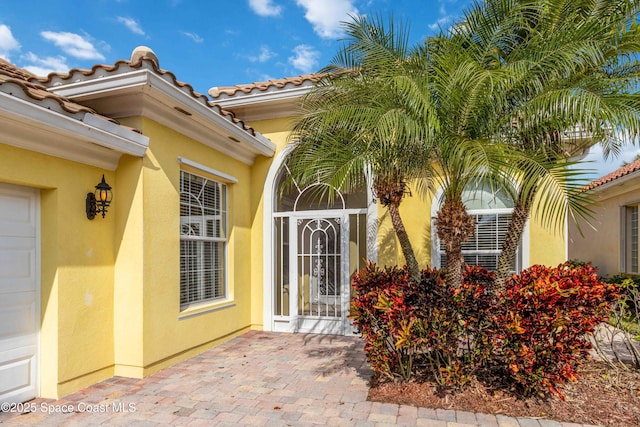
(205, 308)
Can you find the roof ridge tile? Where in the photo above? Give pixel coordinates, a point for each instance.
(32, 86)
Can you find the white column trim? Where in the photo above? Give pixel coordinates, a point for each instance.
(268, 241)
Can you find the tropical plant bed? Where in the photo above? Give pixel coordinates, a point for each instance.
(602, 396)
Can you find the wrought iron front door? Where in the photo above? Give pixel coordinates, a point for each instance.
(321, 295)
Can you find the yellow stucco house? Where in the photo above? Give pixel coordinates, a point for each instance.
(611, 244)
(197, 246)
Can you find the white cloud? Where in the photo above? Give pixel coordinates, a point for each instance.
(264, 55)
(43, 66)
(305, 58)
(73, 44)
(326, 16)
(8, 43)
(445, 18)
(131, 24)
(441, 23)
(257, 75)
(193, 36)
(598, 166)
(265, 7)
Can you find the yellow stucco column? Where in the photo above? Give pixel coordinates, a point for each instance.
(129, 270)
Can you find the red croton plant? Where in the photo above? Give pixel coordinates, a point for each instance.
(542, 321)
(533, 335)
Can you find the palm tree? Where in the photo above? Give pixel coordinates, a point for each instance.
(635, 159)
(399, 112)
(570, 77)
(461, 90)
(368, 114)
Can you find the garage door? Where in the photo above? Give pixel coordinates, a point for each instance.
(19, 293)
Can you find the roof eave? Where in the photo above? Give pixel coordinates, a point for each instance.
(267, 104)
(180, 110)
(259, 97)
(616, 182)
(81, 137)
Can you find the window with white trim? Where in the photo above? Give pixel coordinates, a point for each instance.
(630, 241)
(491, 209)
(203, 239)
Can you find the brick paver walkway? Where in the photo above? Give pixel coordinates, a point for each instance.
(257, 379)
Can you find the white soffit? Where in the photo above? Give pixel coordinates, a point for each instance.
(143, 92)
(271, 103)
(81, 137)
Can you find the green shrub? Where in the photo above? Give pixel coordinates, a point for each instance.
(626, 314)
(630, 289)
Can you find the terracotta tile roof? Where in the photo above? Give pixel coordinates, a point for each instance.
(229, 91)
(11, 70)
(16, 81)
(616, 174)
(148, 61)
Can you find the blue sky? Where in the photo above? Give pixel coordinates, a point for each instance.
(205, 43)
(209, 43)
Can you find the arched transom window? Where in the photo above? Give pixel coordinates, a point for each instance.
(491, 209)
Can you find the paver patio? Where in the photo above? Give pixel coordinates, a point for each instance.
(257, 379)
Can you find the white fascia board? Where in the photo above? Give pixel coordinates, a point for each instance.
(83, 88)
(116, 137)
(258, 143)
(145, 78)
(261, 97)
(90, 127)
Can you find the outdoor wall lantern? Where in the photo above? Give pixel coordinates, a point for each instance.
(98, 201)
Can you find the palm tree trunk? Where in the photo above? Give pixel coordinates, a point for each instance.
(453, 265)
(405, 243)
(519, 218)
(454, 226)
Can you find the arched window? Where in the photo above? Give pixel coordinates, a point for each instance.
(491, 208)
(292, 196)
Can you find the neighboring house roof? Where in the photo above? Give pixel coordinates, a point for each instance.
(34, 118)
(616, 175)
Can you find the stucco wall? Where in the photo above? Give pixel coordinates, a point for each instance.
(167, 333)
(76, 346)
(545, 246)
(111, 287)
(600, 242)
(277, 131)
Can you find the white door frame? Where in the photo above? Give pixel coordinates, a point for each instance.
(34, 202)
(268, 244)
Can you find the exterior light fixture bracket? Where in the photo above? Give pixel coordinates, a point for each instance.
(98, 201)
